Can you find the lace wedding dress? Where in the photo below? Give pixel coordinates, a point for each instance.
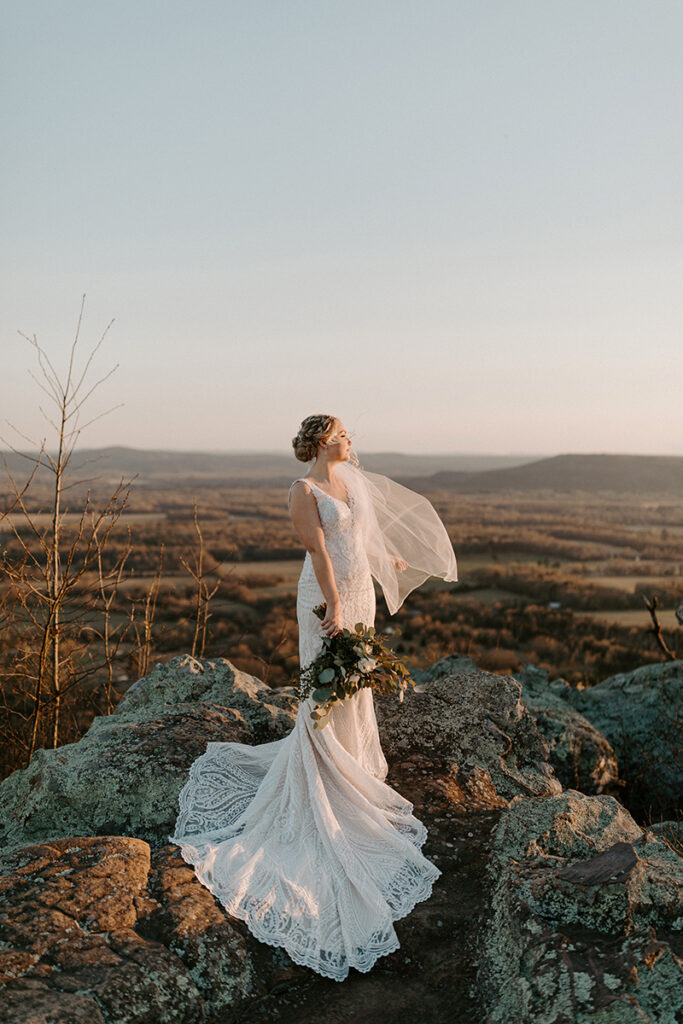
(301, 838)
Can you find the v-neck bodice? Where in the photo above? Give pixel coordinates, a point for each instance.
(312, 483)
(345, 544)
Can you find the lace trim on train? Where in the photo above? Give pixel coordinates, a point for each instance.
(270, 921)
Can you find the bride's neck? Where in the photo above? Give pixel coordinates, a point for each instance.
(325, 471)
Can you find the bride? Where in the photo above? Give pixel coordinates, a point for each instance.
(301, 838)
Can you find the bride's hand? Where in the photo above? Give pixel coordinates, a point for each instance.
(332, 622)
(399, 564)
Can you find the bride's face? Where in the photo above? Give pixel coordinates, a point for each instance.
(339, 443)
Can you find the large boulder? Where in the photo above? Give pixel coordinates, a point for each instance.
(580, 755)
(268, 713)
(641, 714)
(474, 731)
(96, 930)
(586, 910)
(450, 665)
(123, 777)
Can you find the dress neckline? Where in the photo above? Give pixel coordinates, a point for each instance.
(331, 496)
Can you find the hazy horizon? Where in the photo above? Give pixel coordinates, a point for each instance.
(84, 449)
(456, 226)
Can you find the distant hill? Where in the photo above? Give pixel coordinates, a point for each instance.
(274, 468)
(642, 474)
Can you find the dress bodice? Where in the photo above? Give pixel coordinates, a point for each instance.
(343, 538)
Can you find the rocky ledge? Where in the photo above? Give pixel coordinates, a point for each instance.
(554, 904)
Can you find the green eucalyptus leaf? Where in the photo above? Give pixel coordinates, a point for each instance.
(322, 694)
(326, 676)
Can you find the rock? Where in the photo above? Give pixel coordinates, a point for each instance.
(123, 777)
(641, 714)
(269, 713)
(474, 730)
(563, 906)
(93, 929)
(671, 832)
(71, 907)
(586, 911)
(581, 756)
(448, 666)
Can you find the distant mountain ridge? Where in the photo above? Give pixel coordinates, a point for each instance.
(592, 473)
(599, 473)
(263, 467)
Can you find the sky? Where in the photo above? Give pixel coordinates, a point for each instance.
(458, 226)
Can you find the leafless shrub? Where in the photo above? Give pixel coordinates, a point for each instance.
(141, 654)
(204, 594)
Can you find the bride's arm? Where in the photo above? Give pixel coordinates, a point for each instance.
(304, 511)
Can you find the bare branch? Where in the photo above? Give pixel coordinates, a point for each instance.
(90, 359)
(651, 606)
(30, 441)
(51, 422)
(50, 394)
(73, 350)
(106, 413)
(89, 393)
(43, 356)
(94, 458)
(18, 494)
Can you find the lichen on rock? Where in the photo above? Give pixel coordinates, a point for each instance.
(577, 891)
(581, 756)
(123, 777)
(476, 722)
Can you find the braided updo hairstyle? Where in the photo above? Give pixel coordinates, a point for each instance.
(312, 431)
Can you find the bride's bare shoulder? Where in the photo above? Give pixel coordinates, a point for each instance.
(299, 489)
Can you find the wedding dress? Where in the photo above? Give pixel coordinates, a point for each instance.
(301, 838)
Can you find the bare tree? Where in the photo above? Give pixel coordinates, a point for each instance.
(55, 561)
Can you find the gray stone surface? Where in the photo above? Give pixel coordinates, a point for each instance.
(553, 906)
(96, 929)
(123, 777)
(641, 714)
(580, 755)
(476, 723)
(452, 664)
(586, 911)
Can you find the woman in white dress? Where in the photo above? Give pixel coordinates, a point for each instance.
(301, 838)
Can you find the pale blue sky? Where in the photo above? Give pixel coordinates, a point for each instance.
(457, 225)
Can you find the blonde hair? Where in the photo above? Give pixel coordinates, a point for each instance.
(312, 431)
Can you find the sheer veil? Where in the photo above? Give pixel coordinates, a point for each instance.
(399, 525)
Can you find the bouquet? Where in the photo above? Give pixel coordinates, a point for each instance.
(348, 661)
